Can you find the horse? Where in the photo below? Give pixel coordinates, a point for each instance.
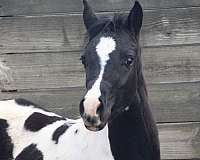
(116, 121)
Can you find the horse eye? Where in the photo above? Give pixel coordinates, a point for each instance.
(129, 61)
(83, 60)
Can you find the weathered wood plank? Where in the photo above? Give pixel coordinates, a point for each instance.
(180, 141)
(27, 7)
(66, 32)
(57, 70)
(171, 64)
(170, 102)
(44, 70)
(175, 102)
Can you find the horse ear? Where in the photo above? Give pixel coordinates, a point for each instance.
(135, 18)
(89, 16)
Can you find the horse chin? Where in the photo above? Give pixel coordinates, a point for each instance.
(95, 128)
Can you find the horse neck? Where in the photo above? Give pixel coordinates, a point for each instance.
(133, 134)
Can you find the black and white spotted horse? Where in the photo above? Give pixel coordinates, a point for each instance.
(116, 121)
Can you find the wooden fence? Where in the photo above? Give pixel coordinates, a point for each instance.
(41, 42)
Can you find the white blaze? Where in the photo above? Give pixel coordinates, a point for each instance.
(104, 48)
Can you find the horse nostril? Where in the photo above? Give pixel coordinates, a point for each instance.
(100, 109)
(91, 120)
(88, 119)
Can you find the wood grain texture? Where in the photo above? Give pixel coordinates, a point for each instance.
(66, 32)
(177, 102)
(28, 7)
(44, 70)
(171, 64)
(64, 69)
(180, 141)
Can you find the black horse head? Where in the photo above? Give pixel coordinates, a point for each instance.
(112, 65)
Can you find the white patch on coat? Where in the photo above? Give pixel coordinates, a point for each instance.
(84, 144)
(16, 116)
(106, 46)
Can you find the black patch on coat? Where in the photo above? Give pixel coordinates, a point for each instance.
(24, 102)
(27, 103)
(58, 132)
(31, 152)
(6, 146)
(37, 121)
(76, 131)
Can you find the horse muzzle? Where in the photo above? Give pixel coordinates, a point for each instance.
(93, 113)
